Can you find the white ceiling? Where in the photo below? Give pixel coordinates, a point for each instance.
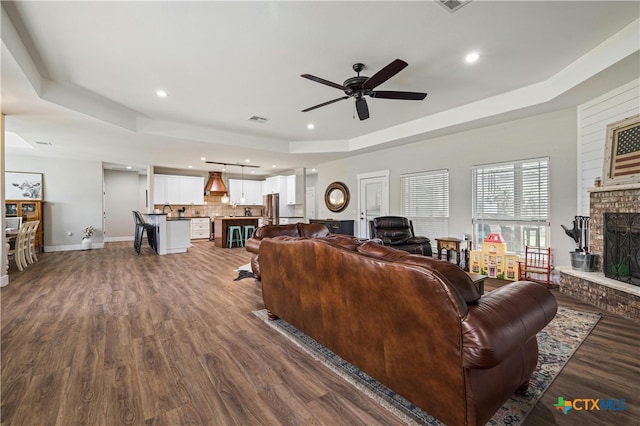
(82, 76)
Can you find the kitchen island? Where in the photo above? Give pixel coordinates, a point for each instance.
(173, 235)
(221, 224)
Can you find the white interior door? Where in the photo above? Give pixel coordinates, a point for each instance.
(373, 199)
(310, 203)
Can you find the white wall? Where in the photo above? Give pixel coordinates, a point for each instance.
(593, 118)
(552, 135)
(72, 192)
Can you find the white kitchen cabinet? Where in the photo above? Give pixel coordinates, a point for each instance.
(291, 189)
(252, 192)
(160, 189)
(191, 190)
(276, 185)
(200, 227)
(295, 189)
(173, 189)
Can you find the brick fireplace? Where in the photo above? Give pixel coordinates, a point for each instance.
(593, 287)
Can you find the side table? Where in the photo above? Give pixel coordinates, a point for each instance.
(452, 245)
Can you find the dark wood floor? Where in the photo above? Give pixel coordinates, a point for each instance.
(105, 337)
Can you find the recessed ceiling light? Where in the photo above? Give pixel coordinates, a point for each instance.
(253, 172)
(203, 158)
(273, 165)
(472, 57)
(247, 161)
(190, 166)
(128, 167)
(161, 93)
(310, 126)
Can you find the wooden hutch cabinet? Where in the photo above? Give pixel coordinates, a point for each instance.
(28, 210)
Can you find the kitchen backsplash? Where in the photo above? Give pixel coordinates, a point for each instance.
(213, 208)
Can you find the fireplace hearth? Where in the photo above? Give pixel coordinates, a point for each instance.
(621, 257)
(621, 295)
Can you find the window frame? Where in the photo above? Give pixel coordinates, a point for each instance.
(525, 213)
(429, 225)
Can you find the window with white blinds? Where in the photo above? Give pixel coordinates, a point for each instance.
(512, 199)
(424, 199)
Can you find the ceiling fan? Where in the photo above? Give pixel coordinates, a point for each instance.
(360, 86)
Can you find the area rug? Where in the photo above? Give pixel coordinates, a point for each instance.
(557, 343)
(244, 271)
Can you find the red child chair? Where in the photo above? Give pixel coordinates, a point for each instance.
(536, 265)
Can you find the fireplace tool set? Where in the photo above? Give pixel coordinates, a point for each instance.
(580, 258)
(579, 233)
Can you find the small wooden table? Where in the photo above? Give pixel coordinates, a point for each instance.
(450, 244)
(478, 280)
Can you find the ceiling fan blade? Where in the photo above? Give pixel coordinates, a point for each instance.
(362, 108)
(411, 96)
(326, 82)
(325, 103)
(385, 74)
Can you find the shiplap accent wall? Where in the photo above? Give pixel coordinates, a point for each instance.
(593, 118)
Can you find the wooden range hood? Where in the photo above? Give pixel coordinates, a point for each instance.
(215, 185)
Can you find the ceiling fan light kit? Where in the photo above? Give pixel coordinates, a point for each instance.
(360, 86)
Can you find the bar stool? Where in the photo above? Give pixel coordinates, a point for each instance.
(234, 235)
(248, 232)
(141, 226)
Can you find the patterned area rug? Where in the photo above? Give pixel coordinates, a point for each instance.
(557, 343)
(244, 272)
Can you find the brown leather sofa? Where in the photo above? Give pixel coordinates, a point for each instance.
(416, 324)
(307, 230)
(397, 232)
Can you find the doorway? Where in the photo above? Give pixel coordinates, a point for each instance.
(373, 199)
(121, 197)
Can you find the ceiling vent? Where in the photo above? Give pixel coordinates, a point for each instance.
(453, 5)
(215, 185)
(258, 119)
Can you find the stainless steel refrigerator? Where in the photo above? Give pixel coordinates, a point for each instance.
(271, 214)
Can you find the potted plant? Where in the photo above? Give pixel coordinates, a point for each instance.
(86, 239)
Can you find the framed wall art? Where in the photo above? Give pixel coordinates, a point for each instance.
(23, 186)
(622, 152)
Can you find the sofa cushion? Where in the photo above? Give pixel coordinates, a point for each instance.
(270, 231)
(452, 273)
(346, 241)
(312, 230)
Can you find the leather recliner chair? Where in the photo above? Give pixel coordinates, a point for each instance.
(397, 232)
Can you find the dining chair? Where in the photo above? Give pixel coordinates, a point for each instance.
(12, 226)
(31, 244)
(20, 250)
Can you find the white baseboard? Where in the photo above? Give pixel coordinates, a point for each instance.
(71, 247)
(117, 239)
(4, 280)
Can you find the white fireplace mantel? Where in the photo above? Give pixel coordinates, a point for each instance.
(611, 188)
